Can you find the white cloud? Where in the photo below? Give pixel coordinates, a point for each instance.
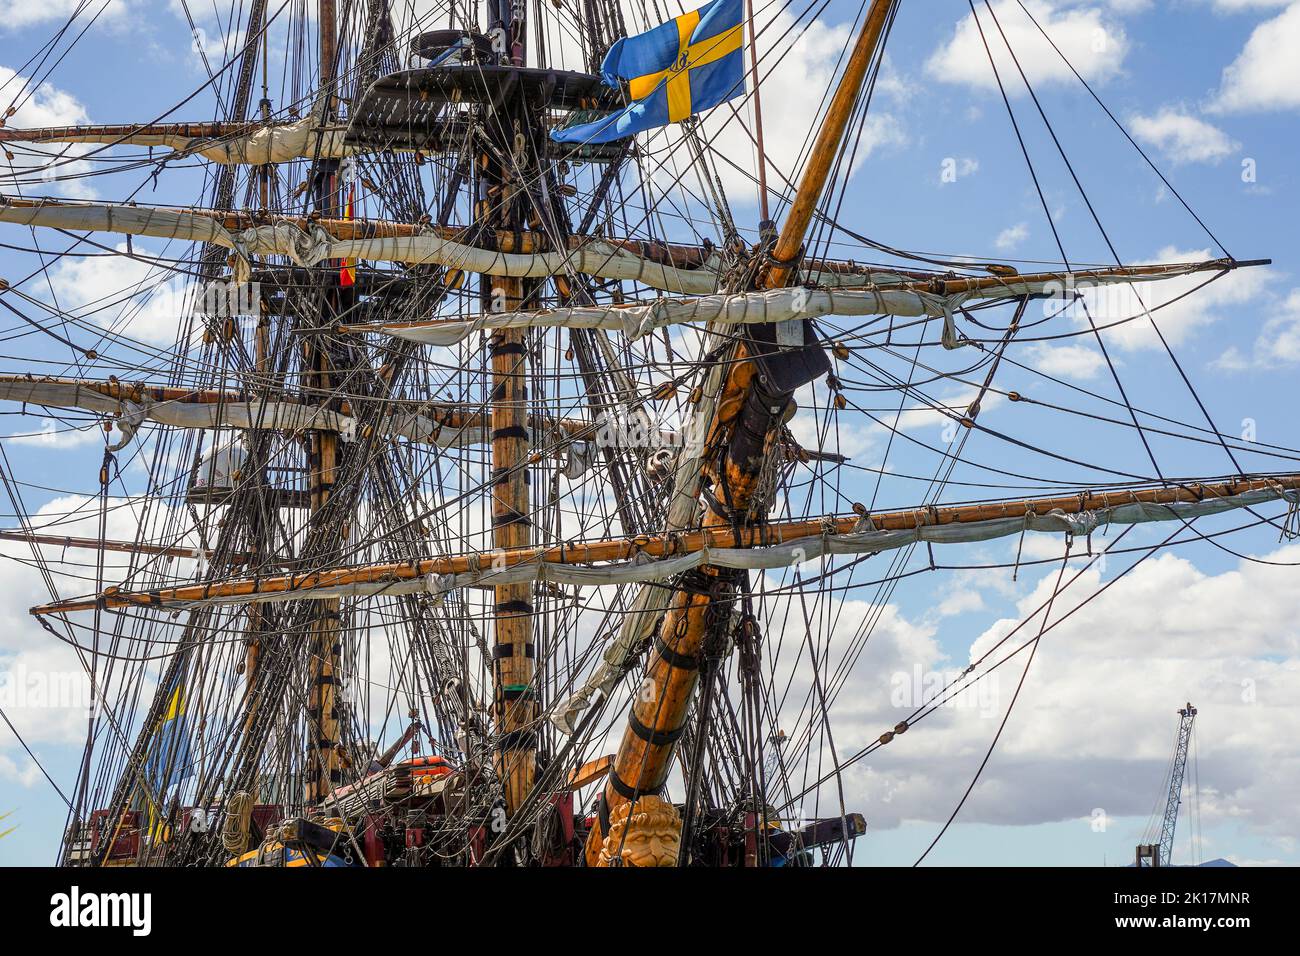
(1238, 6)
(847, 434)
(1065, 361)
(53, 434)
(1011, 237)
(1094, 723)
(43, 685)
(1183, 138)
(1091, 39)
(1180, 317)
(960, 601)
(1278, 343)
(26, 774)
(128, 296)
(15, 14)
(34, 169)
(1266, 74)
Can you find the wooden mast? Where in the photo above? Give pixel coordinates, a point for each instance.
(764, 217)
(790, 242)
(515, 704)
(701, 606)
(321, 770)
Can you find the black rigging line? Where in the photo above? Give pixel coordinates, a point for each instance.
(1047, 613)
(1042, 198)
(1106, 236)
(34, 758)
(1120, 126)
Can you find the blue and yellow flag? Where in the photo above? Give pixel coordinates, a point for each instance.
(170, 761)
(679, 68)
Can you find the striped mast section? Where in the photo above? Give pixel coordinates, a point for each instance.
(514, 694)
(322, 770)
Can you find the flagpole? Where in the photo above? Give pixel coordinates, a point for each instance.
(764, 217)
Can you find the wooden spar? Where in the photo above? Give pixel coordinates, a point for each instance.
(123, 547)
(590, 772)
(717, 535)
(826, 148)
(115, 131)
(255, 622)
(329, 38)
(524, 241)
(136, 392)
(515, 710)
(673, 255)
(322, 771)
(938, 285)
(453, 417)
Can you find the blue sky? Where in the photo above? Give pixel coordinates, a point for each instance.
(1211, 90)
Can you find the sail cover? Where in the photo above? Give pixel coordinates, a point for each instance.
(309, 245)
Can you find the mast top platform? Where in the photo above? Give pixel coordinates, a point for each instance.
(417, 108)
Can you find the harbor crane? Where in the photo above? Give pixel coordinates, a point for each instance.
(1158, 854)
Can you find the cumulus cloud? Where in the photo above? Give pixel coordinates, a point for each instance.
(1011, 237)
(1238, 6)
(128, 296)
(44, 688)
(1178, 319)
(1278, 343)
(1183, 138)
(1089, 36)
(16, 14)
(1065, 361)
(53, 434)
(42, 170)
(1094, 724)
(1266, 74)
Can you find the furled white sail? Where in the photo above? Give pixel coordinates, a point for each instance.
(445, 426)
(898, 298)
(273, 143)
(866, 539)
(130, 414)
(309, 244)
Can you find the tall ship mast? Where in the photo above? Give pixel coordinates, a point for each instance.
(495, 502)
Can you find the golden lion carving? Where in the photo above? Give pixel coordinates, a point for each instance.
(645, 833)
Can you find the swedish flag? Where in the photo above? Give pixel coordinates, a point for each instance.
(679, 68)
(169, 759)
